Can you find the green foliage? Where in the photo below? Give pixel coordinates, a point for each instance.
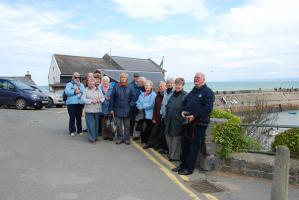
(231, 135)
(289, 138)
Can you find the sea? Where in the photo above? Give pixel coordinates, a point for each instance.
(247, 85)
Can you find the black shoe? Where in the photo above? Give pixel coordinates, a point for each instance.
(136, 138)
(172, 160)
(162, 151)
(184, 172)
(127, 142)
(119, 142)
(146, 147)
(177, 169)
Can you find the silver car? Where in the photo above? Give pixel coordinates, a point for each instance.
(55, 98)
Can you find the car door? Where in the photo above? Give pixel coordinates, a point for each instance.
(8, 93)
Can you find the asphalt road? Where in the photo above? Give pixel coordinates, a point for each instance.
(40, 161)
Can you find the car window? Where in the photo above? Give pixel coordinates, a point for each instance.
(1, 84)
(4, 85)
(22, 86)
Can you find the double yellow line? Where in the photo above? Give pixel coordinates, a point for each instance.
(170, 175)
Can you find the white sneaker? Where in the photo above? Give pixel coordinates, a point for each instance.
(81, 133)
(72, 134)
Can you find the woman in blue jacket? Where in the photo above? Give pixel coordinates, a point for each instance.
(74, 91)
(145, 103)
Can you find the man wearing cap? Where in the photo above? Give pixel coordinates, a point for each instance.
(134, 110)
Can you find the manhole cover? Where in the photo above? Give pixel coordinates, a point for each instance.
(205, 186)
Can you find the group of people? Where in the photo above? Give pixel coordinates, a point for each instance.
(167, 118)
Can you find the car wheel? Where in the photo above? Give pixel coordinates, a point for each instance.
(50, 103)
(21, 104)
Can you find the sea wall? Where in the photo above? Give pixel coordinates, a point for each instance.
(239, 101)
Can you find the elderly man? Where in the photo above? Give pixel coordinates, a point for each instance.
(197, 107)
(122, 99)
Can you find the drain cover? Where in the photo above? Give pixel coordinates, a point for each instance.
(204, 186)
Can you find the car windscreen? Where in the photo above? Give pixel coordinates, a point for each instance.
(21, 86)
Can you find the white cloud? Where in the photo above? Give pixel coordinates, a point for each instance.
(159, 10)
(257, 40)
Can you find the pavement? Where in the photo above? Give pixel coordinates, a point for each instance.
(39, 160)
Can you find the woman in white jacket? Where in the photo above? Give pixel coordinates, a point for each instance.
(93, 99)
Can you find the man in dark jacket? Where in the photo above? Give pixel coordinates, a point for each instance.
(122, 100)
(197, 108)
(134, 110)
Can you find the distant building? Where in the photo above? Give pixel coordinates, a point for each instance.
(63, 66)
(27, 79)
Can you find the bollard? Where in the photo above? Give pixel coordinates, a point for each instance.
(280, 180)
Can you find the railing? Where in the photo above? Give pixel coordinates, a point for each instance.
(270, 125)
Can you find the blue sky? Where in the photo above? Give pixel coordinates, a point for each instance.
(226, 39)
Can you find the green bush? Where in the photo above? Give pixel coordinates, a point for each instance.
(231, 135)
(289, 138)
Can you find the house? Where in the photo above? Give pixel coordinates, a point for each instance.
(25, 79)
(63, 66)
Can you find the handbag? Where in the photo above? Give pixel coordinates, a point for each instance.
(110, 124)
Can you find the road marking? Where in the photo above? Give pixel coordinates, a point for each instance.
(166, 171)
(170, 164)
(210, 197)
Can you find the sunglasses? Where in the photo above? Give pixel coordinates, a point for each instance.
(76, 76)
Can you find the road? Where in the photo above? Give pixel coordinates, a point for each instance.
(39, 160)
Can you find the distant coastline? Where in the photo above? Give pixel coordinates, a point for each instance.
(248, 85)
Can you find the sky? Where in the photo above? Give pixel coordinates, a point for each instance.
(228, 40)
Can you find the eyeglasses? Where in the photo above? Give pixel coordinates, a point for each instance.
(76, 76)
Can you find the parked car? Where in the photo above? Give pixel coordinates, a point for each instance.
(17, 93)
(55, 98)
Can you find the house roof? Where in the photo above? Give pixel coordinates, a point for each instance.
(136, 64)
(155, 77)
(20, 78)
(70, 64)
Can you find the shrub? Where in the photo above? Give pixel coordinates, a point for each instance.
(231, 135)
(289, 138)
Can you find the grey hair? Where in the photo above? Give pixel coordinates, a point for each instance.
(124, 74)
(162, 82)
(169, 79)
(149, 82)
(143, 79)
(106, 78)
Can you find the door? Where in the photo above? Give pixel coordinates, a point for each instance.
(8, 93)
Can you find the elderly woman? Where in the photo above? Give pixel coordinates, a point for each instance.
(174, 121)
(121, 101)
(74, 90)
(106, 89)
(145, 103)
(92, 98)
(157, 135)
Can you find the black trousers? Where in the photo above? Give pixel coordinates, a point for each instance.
(132, 122)
(157, 137)
(75, 114)
(145, 134)
(193, 142)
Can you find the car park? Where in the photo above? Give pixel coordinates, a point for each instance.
(18, 94)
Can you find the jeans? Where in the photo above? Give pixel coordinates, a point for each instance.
(192, 145)
(92, 124)
(123, 128)
(75, 114)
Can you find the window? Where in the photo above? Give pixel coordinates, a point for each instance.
(1, 84)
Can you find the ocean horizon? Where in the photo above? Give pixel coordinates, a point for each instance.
(247, 85)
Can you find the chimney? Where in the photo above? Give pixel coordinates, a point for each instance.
(28, 76)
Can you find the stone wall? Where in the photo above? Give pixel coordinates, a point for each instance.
(257, 165)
